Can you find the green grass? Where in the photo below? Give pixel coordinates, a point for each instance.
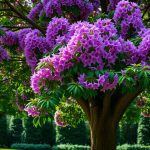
(7, 149)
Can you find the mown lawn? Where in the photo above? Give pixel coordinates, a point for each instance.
(7, 149)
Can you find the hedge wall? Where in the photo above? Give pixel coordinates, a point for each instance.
(133, 147)
(31, 146)
(144, 131)
(70, 147)
(3, 130)
(78, 135)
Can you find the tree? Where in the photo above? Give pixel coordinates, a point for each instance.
(101, 63)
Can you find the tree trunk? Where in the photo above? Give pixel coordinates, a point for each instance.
(103, 136)
(103, 113)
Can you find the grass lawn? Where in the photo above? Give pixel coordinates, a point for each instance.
(7, 149)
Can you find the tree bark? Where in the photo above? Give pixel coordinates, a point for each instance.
(104, 113)
(103, 136)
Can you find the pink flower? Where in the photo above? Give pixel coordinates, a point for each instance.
(32, 111)
(59, 120)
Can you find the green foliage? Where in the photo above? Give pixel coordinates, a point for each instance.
(128, 133)
(133, 147)
(31, 146)
(72, 135)
(36, 135)
(16, 129)
(77, 91)
(71, 112)
(144, 131)
(70, 147)
(134, 75)
(3, 130)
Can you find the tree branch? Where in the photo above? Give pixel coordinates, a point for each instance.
(15, 27)
(104, 4)
(5, 9)
(146, 9)
(84, 105)
(24, 17)
(123, 102)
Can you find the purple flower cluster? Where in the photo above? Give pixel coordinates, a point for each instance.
(10, 38)
(59, 120)
(56, 30)
(3, 54)
(32, 111)
(130, 52)
(102, 82)
(86, 43)
(144, 32)
(130, 16)
(85, 7)
(38, 80)
(112, 4)
(144, 48)
(94, 47)
(107, 28)
(34, 46)
(21, 37)
(34, 13)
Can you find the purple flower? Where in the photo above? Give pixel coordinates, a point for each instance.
(32, 111)
(3, 54)
(34, 44)
(130, 16)
(35, 11)
(56, 29)
(10, 38)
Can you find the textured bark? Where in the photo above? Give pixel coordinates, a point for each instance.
(104, 112)
(103, 135)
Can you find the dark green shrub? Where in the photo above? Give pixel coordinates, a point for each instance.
(70, 147)
(38, 135)
(31, 146)
(127, 134)
(144, 131)
(48, 134)
(133, 147)
(15, 130)
(78, 135)
(3, 130)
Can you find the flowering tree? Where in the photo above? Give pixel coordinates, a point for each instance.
(83, 53)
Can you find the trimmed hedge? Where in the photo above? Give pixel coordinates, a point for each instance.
(70, 147)
(71, 135)
(144, 131)
(133, 147)
(31, 146)
(3, 130)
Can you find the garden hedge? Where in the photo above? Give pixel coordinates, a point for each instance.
(70, 147)
(144, 131)
(71, 135)
(82, 147)
(23, 146)
(133, 147)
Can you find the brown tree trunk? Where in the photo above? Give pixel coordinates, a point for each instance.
(103, 136)
(103, 113)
